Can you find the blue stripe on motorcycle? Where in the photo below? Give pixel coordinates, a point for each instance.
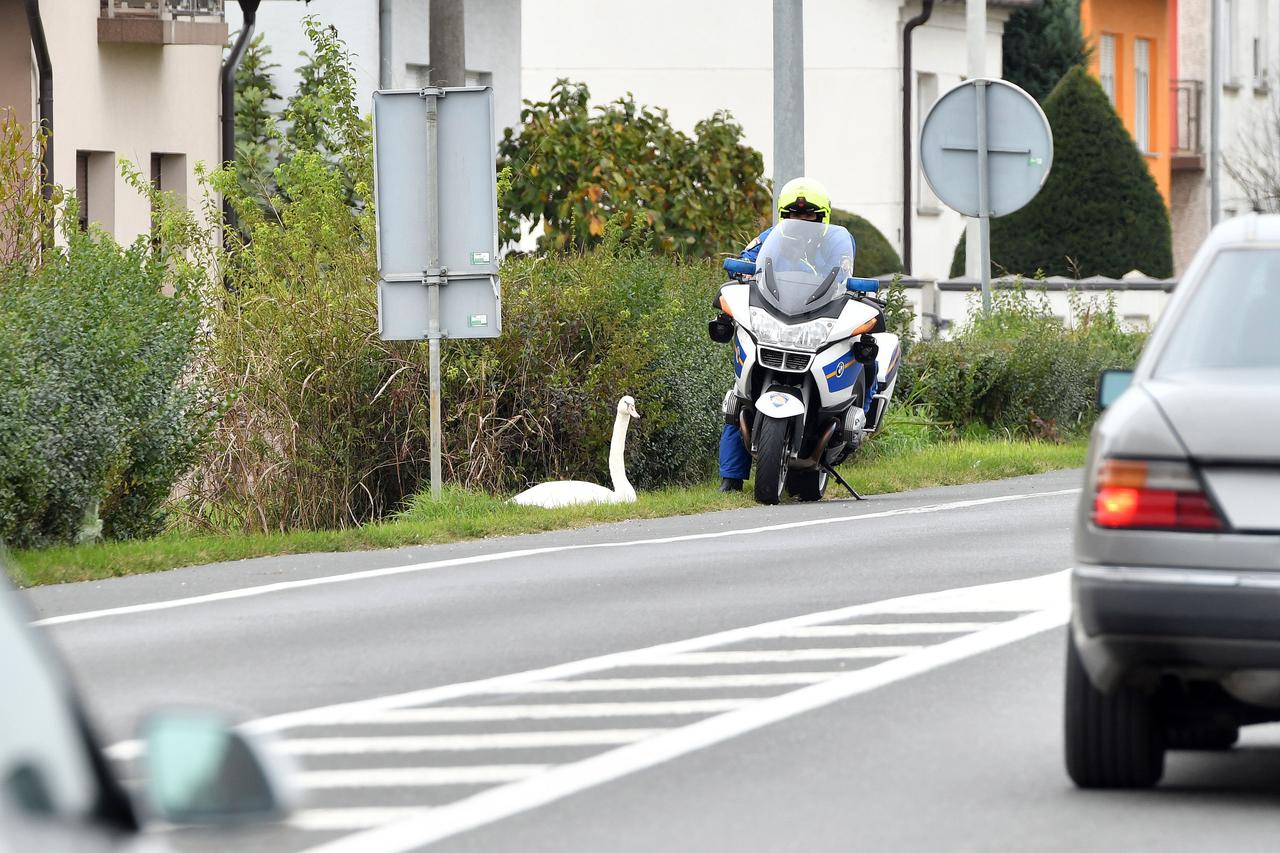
(842, 372)
(741, 356)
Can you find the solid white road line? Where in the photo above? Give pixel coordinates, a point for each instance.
(783, 656)
(892, 629)
(349, 819)
(666, 682)
(1025, 595)
(265, 589)
(459, 743)
(406, 777)
(581, 710)
(497, 803)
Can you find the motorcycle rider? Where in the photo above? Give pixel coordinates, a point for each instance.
(800, 198)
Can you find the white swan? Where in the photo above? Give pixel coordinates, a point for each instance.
(569, 492)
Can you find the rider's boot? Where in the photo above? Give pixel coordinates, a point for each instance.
(730, 484)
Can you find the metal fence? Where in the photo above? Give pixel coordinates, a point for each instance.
(165, 9)
(1188, 99)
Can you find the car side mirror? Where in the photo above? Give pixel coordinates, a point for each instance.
(1111, 384)
(199, 770)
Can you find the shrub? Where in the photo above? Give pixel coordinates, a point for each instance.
(1041, 43)
(572, 171)
(1020, 369)
(875, 255)
(581, 330)
(99, 404)
(1099, 212)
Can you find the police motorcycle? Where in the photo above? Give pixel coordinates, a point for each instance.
(815, 369)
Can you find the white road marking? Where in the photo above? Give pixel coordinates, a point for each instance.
(588, 710)
(783, 656)
(460, 743)
(349, 819)
(282, 586)
(497, 803)
(667, 682)
(892, 629)
(1025, 595)
(406, 777)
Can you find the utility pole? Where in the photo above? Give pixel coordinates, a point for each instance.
(385, 78)
(448, 43)
(788, 93)
(1215, 111)
(976, 26)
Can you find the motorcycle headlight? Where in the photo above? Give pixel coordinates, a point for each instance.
(769, 330)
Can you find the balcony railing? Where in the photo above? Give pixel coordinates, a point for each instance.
(165, 10)
(1188, 103)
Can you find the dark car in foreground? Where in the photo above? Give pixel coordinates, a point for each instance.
(59, 793)
(1175, 631)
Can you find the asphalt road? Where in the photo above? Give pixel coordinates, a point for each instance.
(875, 676)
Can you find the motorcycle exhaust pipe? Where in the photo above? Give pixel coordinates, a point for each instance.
(814, 460)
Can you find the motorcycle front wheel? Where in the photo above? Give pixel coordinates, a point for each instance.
(771, 460)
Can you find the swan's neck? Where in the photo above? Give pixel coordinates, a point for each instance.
(617, 459)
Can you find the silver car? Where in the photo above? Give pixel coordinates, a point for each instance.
(59, 793)
(1175, 633)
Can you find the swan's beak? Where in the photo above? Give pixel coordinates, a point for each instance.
(631, 410)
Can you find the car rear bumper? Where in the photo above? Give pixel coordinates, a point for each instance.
(1134, 622)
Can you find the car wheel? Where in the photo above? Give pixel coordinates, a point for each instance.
(1113, 740)
(1208, 737)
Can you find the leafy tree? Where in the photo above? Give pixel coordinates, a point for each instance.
(1099, 213)
(873, 254)
(574, 168)
(1041, 43)
(255, 122)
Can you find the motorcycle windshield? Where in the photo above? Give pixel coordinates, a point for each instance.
(803, 265)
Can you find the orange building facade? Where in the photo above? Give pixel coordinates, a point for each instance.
(1135, 57)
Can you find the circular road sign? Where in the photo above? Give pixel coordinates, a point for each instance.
(1018, 140)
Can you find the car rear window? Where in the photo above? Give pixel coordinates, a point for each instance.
(1230, 321)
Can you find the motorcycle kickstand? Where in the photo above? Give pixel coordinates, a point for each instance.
(841, 481)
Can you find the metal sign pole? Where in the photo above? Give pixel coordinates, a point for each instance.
(984, 200)
(433, 278)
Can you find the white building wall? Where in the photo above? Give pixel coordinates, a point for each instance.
(694, 59)
(493, 44)
(1247, 100)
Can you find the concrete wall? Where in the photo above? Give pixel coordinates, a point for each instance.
(493, 44)
(1189, 194)
(720, 56)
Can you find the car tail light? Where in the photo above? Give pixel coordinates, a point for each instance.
(1153, 496)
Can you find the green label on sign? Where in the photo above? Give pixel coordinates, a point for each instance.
(478, 320)
(1031, 161)
(479, 258)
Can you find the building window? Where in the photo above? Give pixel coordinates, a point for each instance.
(1142, 94)
(96, 189)
(1107, 66)
(169, 175)
(926, 95)
(1260, 74)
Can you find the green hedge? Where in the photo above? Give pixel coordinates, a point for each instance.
(100, 412)
(875, 255)
(1020, 369)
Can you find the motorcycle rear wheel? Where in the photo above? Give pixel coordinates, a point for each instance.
(771, 460)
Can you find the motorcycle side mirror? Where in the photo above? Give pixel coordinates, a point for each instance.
(720, 331)
(737, 266)
(862, 285)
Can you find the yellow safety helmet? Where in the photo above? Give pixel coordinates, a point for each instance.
(804, 195)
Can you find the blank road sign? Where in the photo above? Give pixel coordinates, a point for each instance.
(468, 190)
(1019, 146)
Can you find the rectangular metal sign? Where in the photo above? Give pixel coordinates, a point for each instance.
(469, 308)
(465, 157)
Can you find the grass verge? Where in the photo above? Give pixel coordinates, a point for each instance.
(892, 466)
